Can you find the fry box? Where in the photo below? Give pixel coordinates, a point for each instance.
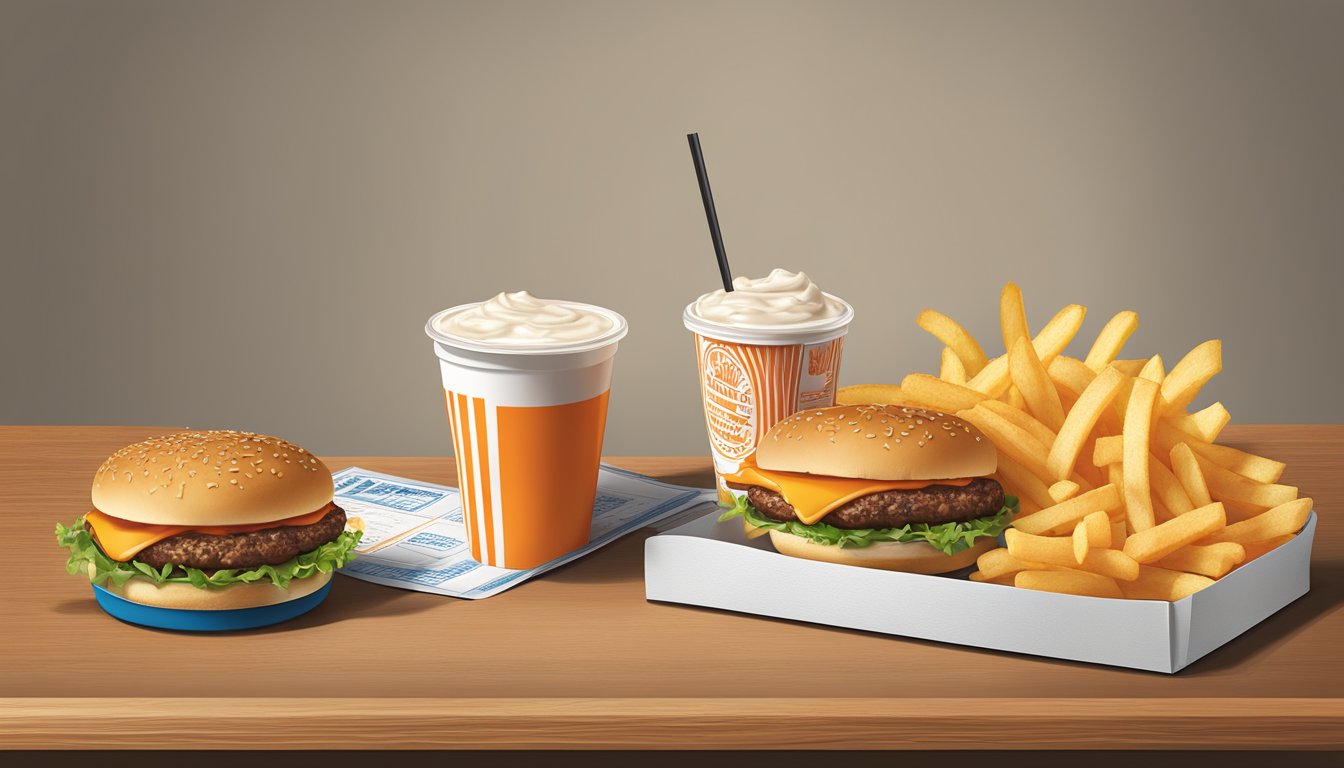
(714, 565)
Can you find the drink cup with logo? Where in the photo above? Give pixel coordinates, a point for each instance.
(526, 382)
(769, 348)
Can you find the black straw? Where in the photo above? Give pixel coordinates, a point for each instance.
(708, 197)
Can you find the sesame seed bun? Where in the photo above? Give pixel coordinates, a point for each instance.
(911, 557)
(877, 442)
(213, 477)
(233, 596)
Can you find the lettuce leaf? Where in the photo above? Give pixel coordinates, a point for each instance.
(87, 558)
(948, 538)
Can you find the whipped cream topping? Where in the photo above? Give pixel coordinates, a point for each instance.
(782, 298)
(521, 319)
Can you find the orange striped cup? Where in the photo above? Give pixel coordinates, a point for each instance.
(527, 430)
(753, 376)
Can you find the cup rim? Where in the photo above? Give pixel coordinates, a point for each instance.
(617, 332)
(771, 334)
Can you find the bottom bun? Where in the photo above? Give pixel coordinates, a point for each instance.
(234, 596)
(911, 557)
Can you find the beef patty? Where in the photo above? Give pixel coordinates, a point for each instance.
(269, 546)
(933, 504)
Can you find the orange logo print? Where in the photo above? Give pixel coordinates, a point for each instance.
(819, 360)
(729, 403)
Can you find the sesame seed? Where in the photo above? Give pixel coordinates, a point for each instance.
(233, 481)
(212, 485)
(152, 489)
(886, 446)
(869, 436)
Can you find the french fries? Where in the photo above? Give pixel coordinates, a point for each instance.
(1033, 382)
(1164, 584)
(948, 331)
(1257, 468)
(1062, 551)
(860, 394)
(1097, 527)
(1080, 422)
(1167, 488)
(1206, 424)
(1069, 583)
(1191, 374)
(997, 562)
(1066, 514)
(1021, 418)
(1009, 438)
(1108, 450)
(1134, 456)
(1124, 492)
(1111, 339)
(1063, 490)
(1029, 486)
(1279, 521)
(1082, 546)
(1212, 560)
(1256, 549)
(1049, 343)
(933, 392)
(1186, 468)
(1159, 541)
(1226, 484)
(1013, 316)
(952, 370)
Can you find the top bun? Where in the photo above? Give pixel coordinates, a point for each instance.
(877, 442)
(213, 477)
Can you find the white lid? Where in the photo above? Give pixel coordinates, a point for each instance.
(803, 333)
(618, 330)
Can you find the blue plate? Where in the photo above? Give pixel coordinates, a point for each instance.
(206, 621)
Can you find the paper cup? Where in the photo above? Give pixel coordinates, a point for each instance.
(752, 377)
(527, 428)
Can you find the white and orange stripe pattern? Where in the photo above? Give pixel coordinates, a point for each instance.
(527, 474)
(747, 388)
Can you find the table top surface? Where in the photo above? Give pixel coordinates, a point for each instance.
(585, 635)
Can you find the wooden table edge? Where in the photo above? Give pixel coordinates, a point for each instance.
(672, 723)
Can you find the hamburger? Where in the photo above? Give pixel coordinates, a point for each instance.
(881, 486)
(210, 521)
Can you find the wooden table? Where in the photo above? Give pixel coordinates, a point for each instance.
(579, 659)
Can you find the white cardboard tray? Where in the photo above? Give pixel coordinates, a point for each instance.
(714, 565)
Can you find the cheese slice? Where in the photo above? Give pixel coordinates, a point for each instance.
(122, 539)
(814, 496)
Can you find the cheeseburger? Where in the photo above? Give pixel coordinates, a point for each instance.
(881, 486)
(210, 521)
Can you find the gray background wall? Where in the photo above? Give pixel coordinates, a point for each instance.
(241, 213)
